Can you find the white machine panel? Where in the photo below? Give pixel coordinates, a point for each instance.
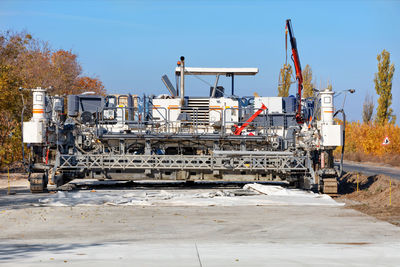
(327, 107)
(274, 104)
(33, 132)
(332, 135)
(221, 105)
(166, 109)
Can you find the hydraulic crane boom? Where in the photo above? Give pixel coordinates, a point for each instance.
(239, 130)
(299, 76)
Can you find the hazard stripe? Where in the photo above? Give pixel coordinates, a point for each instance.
(174, 107)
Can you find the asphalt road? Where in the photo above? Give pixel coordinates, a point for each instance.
(370, 169)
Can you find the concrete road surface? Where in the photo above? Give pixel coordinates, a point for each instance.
(101, 235)
(370, 169)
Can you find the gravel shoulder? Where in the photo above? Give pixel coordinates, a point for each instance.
(377, 195)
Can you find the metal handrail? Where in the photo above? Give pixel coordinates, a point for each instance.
(167, 124)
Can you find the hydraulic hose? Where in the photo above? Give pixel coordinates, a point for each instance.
(344, 139)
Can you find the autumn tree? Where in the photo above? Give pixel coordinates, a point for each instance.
(66, 72)
(308, 85)
(11, 46)
(368, 108)
(90, 84)
(29, 63)
(285, 80)
(383, 87)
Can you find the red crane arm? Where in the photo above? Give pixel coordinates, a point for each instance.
(297, 66)
(239, 130)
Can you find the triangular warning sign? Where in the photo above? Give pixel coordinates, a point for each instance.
(386, 141)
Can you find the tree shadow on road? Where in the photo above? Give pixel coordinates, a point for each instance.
(10, 252)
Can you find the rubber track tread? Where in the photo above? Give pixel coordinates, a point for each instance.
(37, 184)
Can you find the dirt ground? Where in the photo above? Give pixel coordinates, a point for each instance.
(377, 196)
(16, 180)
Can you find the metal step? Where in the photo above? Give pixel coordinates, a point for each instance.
(198, 108)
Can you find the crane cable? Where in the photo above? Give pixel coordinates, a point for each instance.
(204, 81)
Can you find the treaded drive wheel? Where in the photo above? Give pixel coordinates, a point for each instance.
(330, 186)
(38, 183)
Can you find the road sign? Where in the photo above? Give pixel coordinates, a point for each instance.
(386, 141)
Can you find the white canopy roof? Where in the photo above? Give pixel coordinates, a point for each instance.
(216, 71)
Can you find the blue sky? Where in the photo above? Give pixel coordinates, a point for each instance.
(129, 45)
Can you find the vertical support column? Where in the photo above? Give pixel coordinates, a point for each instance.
(182, 87)
(121, 146)
(216, 173)
(330, 162)
(233, 83)
(147, 147)
(322, 159)
(147, 151)
(242, 146)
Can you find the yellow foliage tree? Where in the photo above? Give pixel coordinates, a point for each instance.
(383, 86)
(368, 139)
(285, 80)
(308, 85)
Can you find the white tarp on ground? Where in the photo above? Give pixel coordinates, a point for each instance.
(257, 195)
